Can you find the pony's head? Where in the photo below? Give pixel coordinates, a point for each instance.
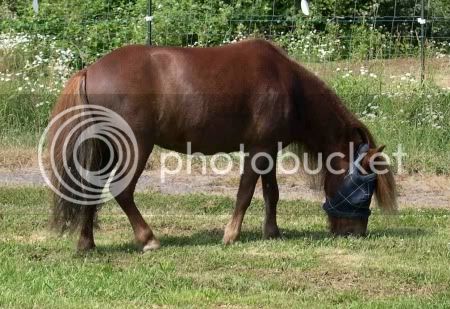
(326, 128)
(349, 195)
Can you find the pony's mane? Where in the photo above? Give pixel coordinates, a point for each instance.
(353, 130)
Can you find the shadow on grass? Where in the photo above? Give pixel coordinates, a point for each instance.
(127, 248)
(213, 237)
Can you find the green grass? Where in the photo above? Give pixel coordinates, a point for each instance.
(403, 262)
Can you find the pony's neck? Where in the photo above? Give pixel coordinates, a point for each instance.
(325, 124)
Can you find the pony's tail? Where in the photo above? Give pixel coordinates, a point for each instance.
(385, 192)
(67, 214)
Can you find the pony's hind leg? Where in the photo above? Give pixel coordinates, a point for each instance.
(271, 196)
(143, 234)
(86, 239)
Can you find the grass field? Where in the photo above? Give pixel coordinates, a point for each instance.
(403, 262)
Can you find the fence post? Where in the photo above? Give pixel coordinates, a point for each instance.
(422, 42)
(149, 18)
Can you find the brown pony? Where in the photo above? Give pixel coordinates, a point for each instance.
(217, 98)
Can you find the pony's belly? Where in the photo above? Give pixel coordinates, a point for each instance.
(208, 144)
(215, 134)
(198, 149)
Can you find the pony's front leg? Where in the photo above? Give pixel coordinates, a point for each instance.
(244, 197)
(249, 178)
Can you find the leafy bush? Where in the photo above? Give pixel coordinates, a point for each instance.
(92, 28)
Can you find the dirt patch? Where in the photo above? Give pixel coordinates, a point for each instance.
(329, 278)
(414, 191)
(18, 157)
(345, 258)
(35, 237)
(423, 190)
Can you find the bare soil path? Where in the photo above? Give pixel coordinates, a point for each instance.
(414, 190)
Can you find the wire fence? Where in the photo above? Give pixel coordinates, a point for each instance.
(425, 33)
(380, 31)
(396, 35)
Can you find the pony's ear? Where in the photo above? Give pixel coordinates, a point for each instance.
(380, 148)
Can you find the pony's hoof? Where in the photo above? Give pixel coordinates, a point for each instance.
(152, 244)
(85, 245)
(271, 233)
(227, 241)
(230, 236)
(86, 249)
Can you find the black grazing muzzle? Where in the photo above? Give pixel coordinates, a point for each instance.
(352, 200)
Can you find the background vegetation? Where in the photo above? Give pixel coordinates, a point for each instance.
(372, 64)
(95, 27)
